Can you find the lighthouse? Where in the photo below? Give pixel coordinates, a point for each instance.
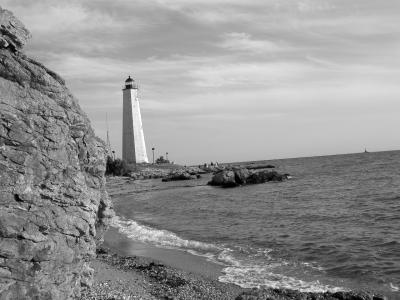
(133, 145)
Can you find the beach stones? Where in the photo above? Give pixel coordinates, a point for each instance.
(284, 294)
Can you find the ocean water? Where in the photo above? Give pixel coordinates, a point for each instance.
(334, 226)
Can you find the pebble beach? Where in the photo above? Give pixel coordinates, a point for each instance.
(126, 278)
(119, 277)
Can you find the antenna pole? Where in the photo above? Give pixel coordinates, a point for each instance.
(108, 135)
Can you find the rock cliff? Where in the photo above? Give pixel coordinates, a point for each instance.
(53, 203)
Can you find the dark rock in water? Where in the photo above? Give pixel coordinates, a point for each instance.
(241, 176)
(264, 176)
(282, 294)
(257, 167)
(225, 178)
(53, 202)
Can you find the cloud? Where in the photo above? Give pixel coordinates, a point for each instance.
(56, 17)
(240, 41)
(313, 6)
(250, 74)
(229, 66)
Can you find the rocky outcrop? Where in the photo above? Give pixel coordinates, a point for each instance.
(149, 173)
(13, 34)
(180, 175)
(167, 174)
(259, 166)
(242, 176)
(225, 178)
(53, 203)
(186, 173)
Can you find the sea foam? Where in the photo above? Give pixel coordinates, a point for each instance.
(162, 238)
(263, 276)
(247, 274)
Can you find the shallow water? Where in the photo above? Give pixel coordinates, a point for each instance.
(334, 226)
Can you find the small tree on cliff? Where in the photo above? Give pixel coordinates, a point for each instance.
(116, 167)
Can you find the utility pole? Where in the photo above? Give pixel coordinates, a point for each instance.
(153, 154)
(108, 143)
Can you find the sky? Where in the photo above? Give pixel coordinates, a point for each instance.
(229, 80)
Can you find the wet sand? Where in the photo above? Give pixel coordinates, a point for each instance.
(133, 277)
(120, 244)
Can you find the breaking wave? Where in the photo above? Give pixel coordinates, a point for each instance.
(248, 271)
(162, 238)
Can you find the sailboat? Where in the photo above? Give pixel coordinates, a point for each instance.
(365, 150)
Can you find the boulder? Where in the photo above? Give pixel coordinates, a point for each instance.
(257, 167)
(264, 176)
(224, 178)
(53, 204)
(241, 176)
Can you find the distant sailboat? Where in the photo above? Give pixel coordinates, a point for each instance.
(365, 150)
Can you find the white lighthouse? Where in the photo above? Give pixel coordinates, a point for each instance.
(133, 145)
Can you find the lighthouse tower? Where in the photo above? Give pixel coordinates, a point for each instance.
(133, 145)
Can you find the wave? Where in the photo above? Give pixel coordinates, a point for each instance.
(158, 237)
(259, 276)
(394, 288)
(247, 268)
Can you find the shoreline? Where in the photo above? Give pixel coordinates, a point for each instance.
(129, 268)
(135, 277)
(121, 245)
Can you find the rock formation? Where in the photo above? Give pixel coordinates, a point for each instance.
(171, 173)
(53, 203)
(179, 175)
(242, 176)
